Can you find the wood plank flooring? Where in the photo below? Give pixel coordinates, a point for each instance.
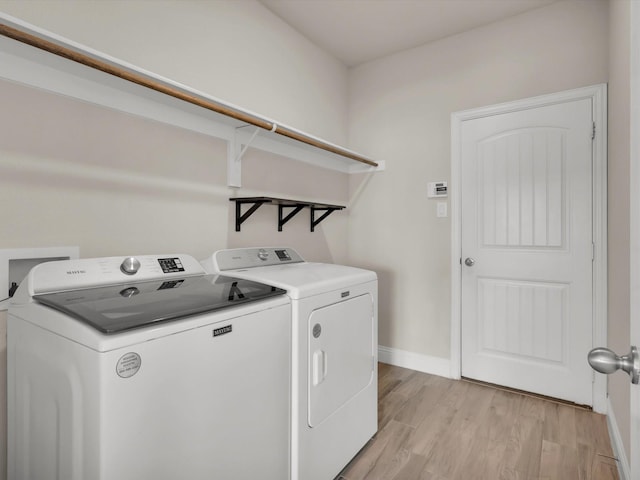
(433, 428)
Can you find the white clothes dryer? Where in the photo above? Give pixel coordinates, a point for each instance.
(147, 369)
(334, 352)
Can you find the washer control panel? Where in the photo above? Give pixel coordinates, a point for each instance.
(90, 272)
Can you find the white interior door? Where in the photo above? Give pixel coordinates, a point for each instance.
(635, 308)
(526, 237)
(635, 232)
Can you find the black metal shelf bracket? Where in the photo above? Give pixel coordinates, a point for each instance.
(327, 211)
(282, 220)
(282, 203)
(241, 217)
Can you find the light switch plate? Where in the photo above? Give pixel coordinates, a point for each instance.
(441, 209)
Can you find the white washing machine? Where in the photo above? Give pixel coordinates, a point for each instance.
(147, 369)
(334, 353)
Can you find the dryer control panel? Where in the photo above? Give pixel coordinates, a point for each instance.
(224, 260)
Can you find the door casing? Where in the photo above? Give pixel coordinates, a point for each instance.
(598, 96)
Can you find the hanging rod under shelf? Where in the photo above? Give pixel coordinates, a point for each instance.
(200, 100)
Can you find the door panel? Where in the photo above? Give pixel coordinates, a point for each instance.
(522, 189)
(540, 308)
(526, 221)
(341, 355)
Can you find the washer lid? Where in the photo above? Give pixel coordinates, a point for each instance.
(116, 308)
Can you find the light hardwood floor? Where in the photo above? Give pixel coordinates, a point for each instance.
(433, 428)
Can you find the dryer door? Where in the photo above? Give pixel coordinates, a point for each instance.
(341, 355)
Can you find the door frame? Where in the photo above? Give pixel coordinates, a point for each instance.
(598, 96)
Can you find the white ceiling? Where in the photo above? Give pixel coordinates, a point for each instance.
(356, 31)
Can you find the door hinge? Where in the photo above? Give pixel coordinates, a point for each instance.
(593, 131)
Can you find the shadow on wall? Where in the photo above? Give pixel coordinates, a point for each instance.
(386, 283)
(358, 185)
(53, 141)
(266, 174)
(61, 174)
(74, 173)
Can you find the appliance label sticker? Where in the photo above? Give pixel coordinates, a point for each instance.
(222, 330)
(128, 365)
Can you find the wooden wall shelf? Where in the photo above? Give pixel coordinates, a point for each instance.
(38, 58)
(282, 203)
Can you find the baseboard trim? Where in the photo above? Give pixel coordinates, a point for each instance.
(616, 443)
(415, 361)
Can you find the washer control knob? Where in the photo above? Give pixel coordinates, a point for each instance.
(130, 266)
(263, 254)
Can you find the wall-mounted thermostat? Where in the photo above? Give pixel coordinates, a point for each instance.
(437, 189)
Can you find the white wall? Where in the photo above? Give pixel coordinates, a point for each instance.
(400, 109)
(72, 173)
(237, 51)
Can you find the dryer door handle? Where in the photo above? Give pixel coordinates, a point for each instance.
(320, 366)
